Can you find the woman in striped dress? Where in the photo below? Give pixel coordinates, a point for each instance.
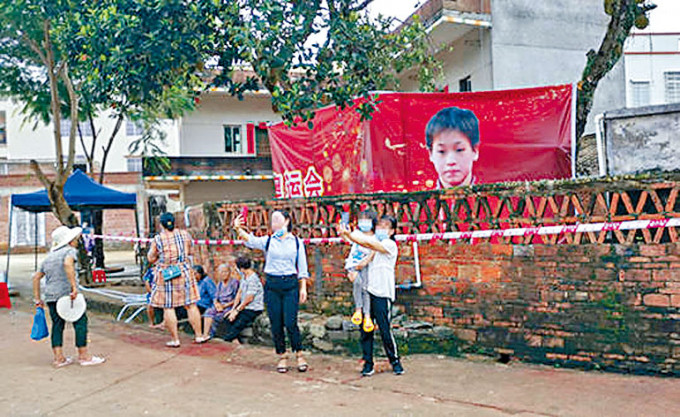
(174, 283)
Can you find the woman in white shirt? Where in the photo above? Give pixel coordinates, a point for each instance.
(381, 288)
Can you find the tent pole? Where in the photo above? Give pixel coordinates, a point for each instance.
(35, 241)
(9, 243)
(139, 245)
(137, 221)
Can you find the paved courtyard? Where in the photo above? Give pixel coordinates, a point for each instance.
(143, 378)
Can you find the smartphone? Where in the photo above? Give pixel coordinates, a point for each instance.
(244, 213)
(344, 218)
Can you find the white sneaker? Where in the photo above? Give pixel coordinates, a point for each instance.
(94, 360)
(173, 344)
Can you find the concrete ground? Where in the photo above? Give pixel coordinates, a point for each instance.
(143, 378)
(22, 266)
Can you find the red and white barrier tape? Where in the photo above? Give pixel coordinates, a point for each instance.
(206, 242)
(475, 234)
(545, 230)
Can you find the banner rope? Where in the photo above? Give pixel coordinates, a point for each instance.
(474, 234)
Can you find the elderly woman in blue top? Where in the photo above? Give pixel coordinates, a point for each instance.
(285, 268)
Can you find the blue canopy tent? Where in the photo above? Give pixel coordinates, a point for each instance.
(81, 193)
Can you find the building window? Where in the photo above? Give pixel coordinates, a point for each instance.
(134, 128)
(85, 128)
(134, 164)
(232, 138)
(3, 127)
(640, 93)
(672, 82)
(465, 84)
(262, 141)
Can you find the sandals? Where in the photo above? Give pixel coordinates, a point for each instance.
(94, 360)
(282, 366)
(302, 365)
(202, 339)
(66, 362)
(172, 344)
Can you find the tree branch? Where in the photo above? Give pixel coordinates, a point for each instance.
(623, 17)
(73, 97)
(40, 174)
(34, 47)
(361, 6)
(82, 145)
(119, 122)
(95, 136)
(54, 99)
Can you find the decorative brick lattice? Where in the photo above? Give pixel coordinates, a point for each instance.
(494, 206)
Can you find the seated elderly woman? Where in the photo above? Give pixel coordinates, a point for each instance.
(227, 288)
(249, 304)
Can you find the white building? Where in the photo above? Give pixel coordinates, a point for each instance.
(508, 44)
(652, 62)
(21, 140)
(224, 136)
(223, 154)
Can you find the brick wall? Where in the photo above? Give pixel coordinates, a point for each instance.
(614, 307)
(599, 300)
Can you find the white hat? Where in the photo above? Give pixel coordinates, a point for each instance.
(71, 310)
(63, 235)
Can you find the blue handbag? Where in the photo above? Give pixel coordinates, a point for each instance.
(171, 272)
(39, 330)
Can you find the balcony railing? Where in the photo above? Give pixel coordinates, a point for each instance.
(432, 10)
(192, 166)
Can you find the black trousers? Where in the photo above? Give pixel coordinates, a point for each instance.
(380, 313)
(58, 324)
(229, 330)
(282, 297)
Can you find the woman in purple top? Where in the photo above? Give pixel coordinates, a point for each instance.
(224, 301)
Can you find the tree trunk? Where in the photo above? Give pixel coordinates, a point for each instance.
(55, 188)
(66, 216)
(624, 15)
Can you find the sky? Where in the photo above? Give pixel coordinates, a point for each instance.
(665, 18)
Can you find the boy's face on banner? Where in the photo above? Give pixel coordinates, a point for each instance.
(453, 158)
(525, 135)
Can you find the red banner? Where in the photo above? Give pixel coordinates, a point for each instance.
(424, 141)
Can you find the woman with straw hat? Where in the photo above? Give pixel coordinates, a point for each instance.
(59, 269)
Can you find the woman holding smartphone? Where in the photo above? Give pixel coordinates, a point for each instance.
(285, 269)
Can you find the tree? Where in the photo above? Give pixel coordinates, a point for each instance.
(143, 59)
(138, 61)
(309, 54)
(32, 59)
(624, 15)
(132, 59)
